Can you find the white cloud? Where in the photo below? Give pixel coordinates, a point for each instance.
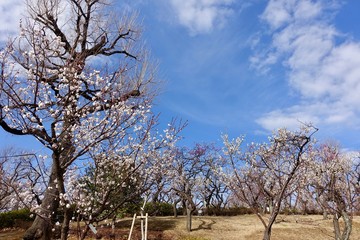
(277, 13)
(202, 16)
(290, 118)
(10, 14)
(281, 12)
(322, 69)
(320, 113)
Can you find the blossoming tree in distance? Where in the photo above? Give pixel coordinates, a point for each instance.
(264, 174)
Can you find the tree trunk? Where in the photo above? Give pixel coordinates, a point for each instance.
(274, 212)
(42, 226)
(336, 226)
(184, 208)
(84, 233)
(188, 219)
(175, 210)
(174, 207)
(271, 207)
(66, 224)
(347, 226)
(325, 215)
(267, 232)
(40, 229)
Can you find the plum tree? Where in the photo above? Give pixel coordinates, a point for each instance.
(78, 80)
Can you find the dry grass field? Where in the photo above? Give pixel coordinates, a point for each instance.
(222, 228)
(249, 227)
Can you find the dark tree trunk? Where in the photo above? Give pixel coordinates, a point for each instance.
(45, 219)
(174, 207)
(267, 232)
(274, 213)
(175, 210)
(40, 229)
(84, 233)
(42, 226)
(188, 219)
(184, 208)
(66, 224)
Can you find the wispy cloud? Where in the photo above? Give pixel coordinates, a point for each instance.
(202, 16)
(10, 13)
(322, 64)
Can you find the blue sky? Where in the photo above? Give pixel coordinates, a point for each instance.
(249, 67)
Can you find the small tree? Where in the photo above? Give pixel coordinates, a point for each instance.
(334, 189)
(266, 172)
(122, 176)
(355, 183)
(214, 191)
(22, 180)
(187, 173)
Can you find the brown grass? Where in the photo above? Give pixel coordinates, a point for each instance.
(250, 228)
(220, 228)
(11, 234)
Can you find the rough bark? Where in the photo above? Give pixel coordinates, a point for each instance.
(42, 226)
(345, 235)
(188, 219)
(336, 227)
(66, 224)
(267, 233)
(348, 226)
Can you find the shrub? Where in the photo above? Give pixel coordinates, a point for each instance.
(289, 211)
(159, 209)
(233, 211)
(8, 219)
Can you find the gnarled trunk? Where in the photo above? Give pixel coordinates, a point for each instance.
(190, 208)
(42, 226)
(347, 226)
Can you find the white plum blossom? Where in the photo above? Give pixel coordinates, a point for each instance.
(80, 90)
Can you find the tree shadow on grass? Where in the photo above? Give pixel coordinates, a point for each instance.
(154, 223)
(204, 226)
(156, 227)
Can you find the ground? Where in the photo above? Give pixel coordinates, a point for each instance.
(246, 227)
